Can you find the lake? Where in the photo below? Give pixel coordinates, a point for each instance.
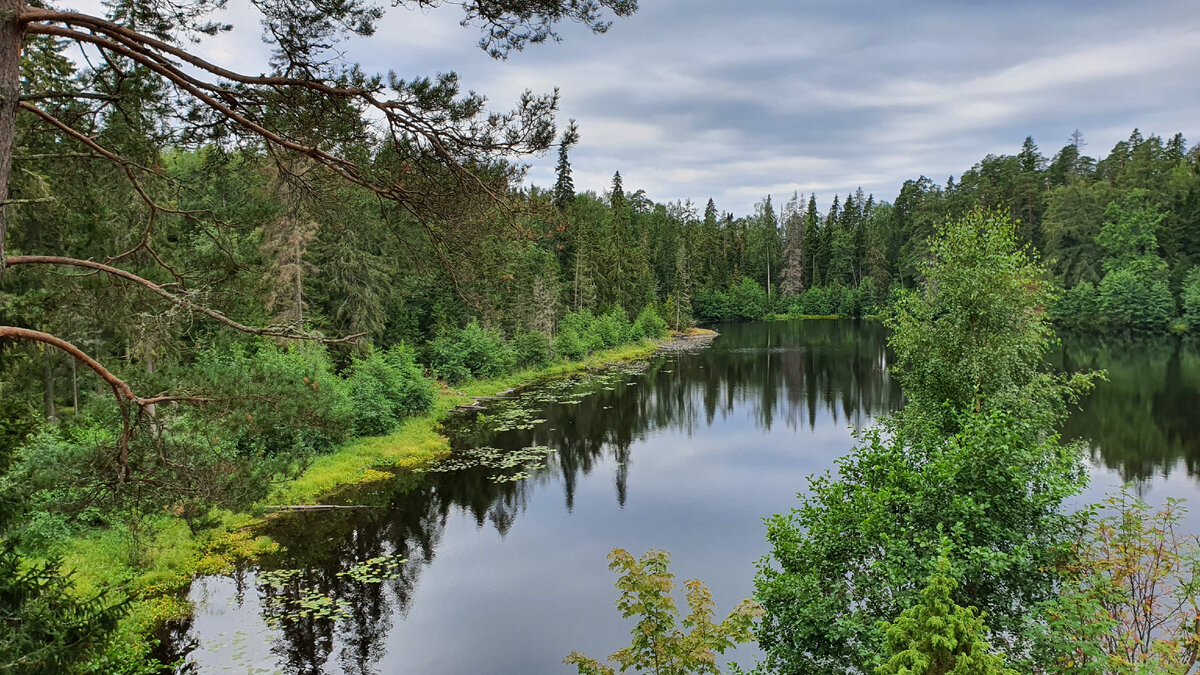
(481, 569)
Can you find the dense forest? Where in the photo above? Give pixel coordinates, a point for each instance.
(208, 279)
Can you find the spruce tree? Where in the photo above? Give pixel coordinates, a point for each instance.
(564, 187)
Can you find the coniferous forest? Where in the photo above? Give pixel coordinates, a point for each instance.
(224, 292)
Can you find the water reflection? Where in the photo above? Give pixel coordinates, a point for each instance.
(1144, 422)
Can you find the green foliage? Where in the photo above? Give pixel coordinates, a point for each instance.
(936, 636)
(711, 305)
(747, 301)
(1191, 300)
(300, 406)
(1077, 306)
(1135, 291)
(531, 349)
(975, 335)
(659, 647)
(613, 328)
(472, 351)
(649, 324)
(386, 386)
(568, 345)
(44, 625)
(855, 550)
(1127, 604)
(1137, 298)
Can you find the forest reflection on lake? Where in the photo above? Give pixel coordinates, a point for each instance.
(687, 454)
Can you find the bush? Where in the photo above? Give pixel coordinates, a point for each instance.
(568, 345)
(532, 349)
(299, 405)
(386, 386)
(816, 301)
(650, 324)
(1077, 306)
(613, 328)
(710, 306)
(46, 624)
(1191, 300)
(1137, 298)
(848, 305)
(857, 549)
(579, 323)
(658, 646)
(470, 351)
(747, 300)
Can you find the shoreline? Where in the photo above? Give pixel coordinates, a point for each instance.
(156, 591)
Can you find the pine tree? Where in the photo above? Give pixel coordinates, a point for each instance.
(564, 187)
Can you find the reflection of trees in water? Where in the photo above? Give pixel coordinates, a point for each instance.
(1144, 420)
(776, 372)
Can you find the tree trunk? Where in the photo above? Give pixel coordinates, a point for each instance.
(48, 385)
(12, 35)
(74, 389)
(299, 287)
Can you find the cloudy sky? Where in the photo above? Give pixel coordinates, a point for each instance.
(742, 98)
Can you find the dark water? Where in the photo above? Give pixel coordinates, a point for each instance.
(689, 456)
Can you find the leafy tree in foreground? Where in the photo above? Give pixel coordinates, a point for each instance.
(658, 646)
(938, 637)
(972, 458)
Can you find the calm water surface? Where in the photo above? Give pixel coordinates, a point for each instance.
(689, 456)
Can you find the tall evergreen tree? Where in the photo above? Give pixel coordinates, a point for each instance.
(564, 186)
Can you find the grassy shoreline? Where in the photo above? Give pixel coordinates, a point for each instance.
(171, 554)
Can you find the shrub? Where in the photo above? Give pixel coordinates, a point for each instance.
(937, 635)
(385, 386)
(848, 305)
(46, 624)
(1191, 299)
(613, 328)
(470, 351)
(578, 322)
(299, 405)
(1128, 595)
(857, 550)
(747, 300)
(658, 646)
(532, 349)
(1137, 298)
(711, 306)
(650, 324)
(1077, 306)
(568, 345)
